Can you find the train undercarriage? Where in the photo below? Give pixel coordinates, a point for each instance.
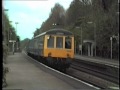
(61, 64)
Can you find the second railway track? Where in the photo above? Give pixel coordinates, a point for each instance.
(99, 75)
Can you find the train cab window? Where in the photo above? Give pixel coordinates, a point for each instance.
(59, 42)
(68, 43)
(50, 42)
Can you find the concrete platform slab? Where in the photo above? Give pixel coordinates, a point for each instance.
(26, 76)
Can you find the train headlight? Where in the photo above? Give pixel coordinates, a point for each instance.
(48, 37)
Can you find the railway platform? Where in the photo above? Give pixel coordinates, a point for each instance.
(108, 62)
(25, 75)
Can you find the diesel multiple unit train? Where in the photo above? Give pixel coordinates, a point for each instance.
(54, 47)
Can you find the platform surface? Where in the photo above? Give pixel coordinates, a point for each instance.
(24, 75)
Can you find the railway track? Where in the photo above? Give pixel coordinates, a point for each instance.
(99, 75)
(102, 72)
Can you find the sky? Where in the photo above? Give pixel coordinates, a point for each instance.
(30, 14)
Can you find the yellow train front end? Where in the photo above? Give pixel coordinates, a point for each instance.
(59, 50)
(59, 46)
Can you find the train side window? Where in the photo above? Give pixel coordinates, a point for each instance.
(32, 44)
(68, 43)
(50, 42)
(59, 42)
(35, 44)
(40, 42)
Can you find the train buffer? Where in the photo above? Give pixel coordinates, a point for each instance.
(107, 62)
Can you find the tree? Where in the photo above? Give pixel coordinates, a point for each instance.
(56, 18)
(7, 29)
(106, 19)
(23, 43)
(102, 14)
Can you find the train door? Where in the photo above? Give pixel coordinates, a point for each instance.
(68, 42)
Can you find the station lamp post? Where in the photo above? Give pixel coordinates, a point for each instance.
(111, 46)
(10, 32)
(16, 35)
(116, 37)
(16, 26)
(9, 35)
(81, 39)
(111, 39)
(5, 10)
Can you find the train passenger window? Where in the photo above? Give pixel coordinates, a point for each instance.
(35, 44)
(59, 42)
(50, 42)
(68, 43)
(40, 44)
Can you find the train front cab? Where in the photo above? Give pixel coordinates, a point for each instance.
(59, 50)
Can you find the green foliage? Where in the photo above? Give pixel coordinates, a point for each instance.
(56, 19)
(5, 71)
(8, 31)
(102, 14)
(5, 53)
(23, 43)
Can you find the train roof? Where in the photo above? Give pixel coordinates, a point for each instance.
(59, 31)
(56, 32)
